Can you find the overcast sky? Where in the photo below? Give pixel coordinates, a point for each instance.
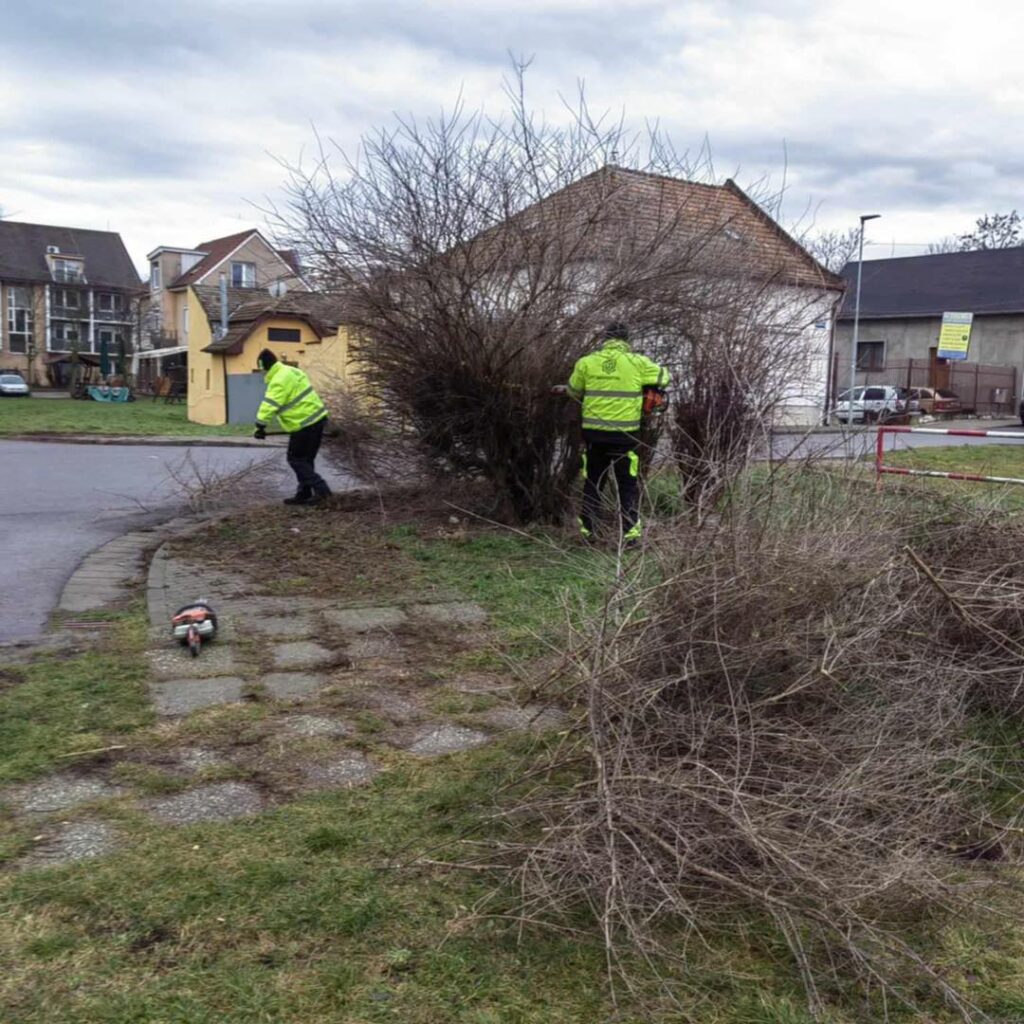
(162, 121)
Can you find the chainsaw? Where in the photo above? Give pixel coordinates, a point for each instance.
(193, 624)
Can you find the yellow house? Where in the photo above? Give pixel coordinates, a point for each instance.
(304, 329)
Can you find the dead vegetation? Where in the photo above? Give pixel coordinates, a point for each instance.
(780, 714)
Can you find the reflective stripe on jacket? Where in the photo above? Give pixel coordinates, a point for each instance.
(291, 398)
(611, 381)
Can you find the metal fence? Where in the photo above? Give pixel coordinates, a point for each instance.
(985, 390)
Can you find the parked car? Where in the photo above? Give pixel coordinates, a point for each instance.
(13, 386)
(871, 404)
(937, 401)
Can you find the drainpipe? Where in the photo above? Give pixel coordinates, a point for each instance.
(223, 333)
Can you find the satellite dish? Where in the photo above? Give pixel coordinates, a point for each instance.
(277, 289)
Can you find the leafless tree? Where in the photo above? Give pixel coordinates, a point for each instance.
(993, 231)
(833, 249)
(949, 243)
(479, 258)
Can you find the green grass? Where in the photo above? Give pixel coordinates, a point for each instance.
(981, 459)
(66, 416)
(56, 706)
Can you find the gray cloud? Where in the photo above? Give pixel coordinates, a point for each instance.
(159, 118)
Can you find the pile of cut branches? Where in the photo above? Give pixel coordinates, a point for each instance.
(777, 717)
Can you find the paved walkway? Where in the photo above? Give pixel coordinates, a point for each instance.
(344, 689)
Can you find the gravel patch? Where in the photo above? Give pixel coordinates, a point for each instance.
(282, 626)
(367, 648)
(350, 770)
(316, 725)
(467, 613)
(174, 662)
(446, 739)
(75, 841)
(222, 801)
(58, 793)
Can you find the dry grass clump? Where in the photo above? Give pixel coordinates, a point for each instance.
(777, 718)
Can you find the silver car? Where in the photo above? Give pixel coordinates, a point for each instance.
(870, 404)
(12, 386)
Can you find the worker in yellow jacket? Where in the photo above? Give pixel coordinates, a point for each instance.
(610, 385)
(302, 414)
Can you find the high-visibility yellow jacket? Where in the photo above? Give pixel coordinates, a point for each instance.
(610, 382)
(291, 398)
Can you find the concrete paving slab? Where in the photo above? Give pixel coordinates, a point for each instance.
(195, 759)
(446, 739)
(466, 613)
(173, 661)
(180, 696)
(58, 793)
(72, 842)
(292, 685)
(297, 627)
(362, 620)
(316, 725)
(222, 801)
(304, 654)
(348, 770)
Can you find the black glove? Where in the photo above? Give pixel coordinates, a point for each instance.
(260, 433)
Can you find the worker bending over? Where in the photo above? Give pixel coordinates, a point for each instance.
(610, 384)
(302, 415)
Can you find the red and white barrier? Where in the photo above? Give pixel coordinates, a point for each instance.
(881, 467)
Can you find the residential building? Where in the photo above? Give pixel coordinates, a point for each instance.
(61, 289)
(728, 242)
(901, 305)
(302, 328)
(248, 261)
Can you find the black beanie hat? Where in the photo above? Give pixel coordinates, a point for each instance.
(617, 330)
(266, 359)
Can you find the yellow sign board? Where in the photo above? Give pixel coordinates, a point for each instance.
(955, 335)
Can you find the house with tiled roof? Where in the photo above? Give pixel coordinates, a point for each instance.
(617, 214)
(62, 288)
(230, 326)
(247, 260)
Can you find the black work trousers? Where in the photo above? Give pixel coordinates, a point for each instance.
(621, 460)
(303, 446)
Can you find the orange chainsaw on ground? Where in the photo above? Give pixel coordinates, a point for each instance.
(193, 624)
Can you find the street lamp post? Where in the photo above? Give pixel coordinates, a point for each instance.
(856, 319)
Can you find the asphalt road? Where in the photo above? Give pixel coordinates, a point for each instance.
(60, 501)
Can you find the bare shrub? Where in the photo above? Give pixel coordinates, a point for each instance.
(204, 488)
(775, 716)
(479, 258)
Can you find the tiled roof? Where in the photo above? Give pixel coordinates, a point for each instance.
(23, 254)
(982, 281)
(247, 310)
(216, 250)
(632, 208)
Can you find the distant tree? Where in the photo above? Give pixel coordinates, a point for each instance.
(950, 243)
(833, 249)
(993, 231)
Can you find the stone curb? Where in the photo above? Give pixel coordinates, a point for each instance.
(156, 441)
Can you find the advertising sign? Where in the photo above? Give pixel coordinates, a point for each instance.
(955, 335)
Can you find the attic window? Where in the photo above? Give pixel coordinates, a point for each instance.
(284, 334)
(733, 234)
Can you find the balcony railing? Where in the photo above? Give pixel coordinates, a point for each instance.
(115, 315)
(68, 277)
(61, 312)
(162, 339)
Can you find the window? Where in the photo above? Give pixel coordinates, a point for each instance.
(154, 276)
(63, 336)
(874, 394)
(243, 275)
(870, 355)
(20, 321)
(283, 334)
(66, 298)
(68, 271)
(107, 302)
(184, 322)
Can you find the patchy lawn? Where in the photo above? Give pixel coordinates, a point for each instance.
(1005, 460)
(67, 416)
